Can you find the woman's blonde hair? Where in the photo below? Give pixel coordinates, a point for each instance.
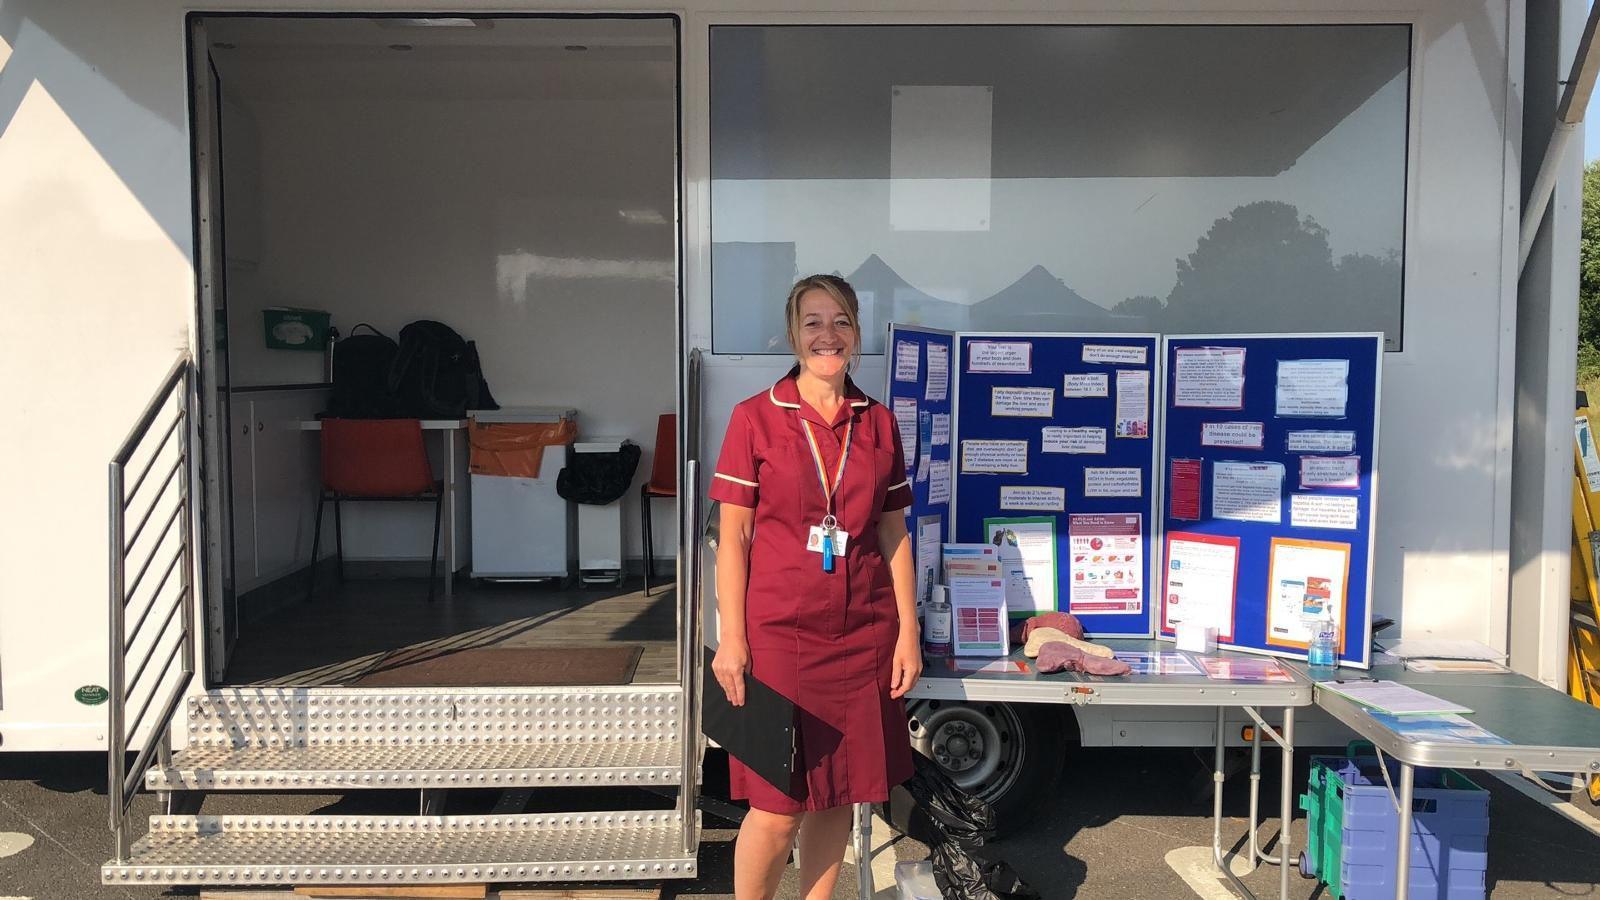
(842, 293)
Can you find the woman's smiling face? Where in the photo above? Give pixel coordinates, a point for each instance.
(824, 339)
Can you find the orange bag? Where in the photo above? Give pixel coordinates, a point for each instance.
(514, 449)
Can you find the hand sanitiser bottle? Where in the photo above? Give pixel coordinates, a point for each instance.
(1323, 653)
(936, 622)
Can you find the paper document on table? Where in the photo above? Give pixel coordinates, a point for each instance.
(1442, 648)
(1450, 729)
(1392, 697)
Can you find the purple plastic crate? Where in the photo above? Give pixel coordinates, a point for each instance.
(1449, 841)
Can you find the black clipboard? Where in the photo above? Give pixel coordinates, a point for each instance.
(762, 734)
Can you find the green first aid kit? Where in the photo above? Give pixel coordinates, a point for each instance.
(288, 328)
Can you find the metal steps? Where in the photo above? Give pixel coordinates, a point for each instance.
(283, 740)
(367, 850)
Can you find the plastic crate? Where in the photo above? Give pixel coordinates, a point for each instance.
(1352, 829)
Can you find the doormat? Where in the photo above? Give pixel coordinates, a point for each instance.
(504, 666)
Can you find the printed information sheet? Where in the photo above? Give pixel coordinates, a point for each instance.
(938, 386)
(1159, 662)
(1322, 441)
(1084, 439)
(1022, 401)
(1107, 569)
(941, 429)
(1247, 435)
(1239, 668)
(1313, 387)
(1202, 582)
(1031, 497)
(1118, 481)
(939, 481)
(1086, 384)
(1320, 511)
(1186, 489)
(1114, 355)
(978, 616)
(930, 534)
(1246, 491)
(906, 355)
(1208, 377)
(1133, 403)
(1330, 472)
(1027, 562)
(1000, 356)
(1305, 581)
(905, 416)
(994, 456)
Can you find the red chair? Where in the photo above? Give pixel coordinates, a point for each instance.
(374, 459)
(663, 483)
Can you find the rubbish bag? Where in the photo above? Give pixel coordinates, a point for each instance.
(956, 825)
(514, 449)
(598, 478)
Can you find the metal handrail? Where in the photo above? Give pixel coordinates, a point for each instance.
(689, 565)
(177, 388)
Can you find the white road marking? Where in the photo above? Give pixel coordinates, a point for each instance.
(12, 843)
(1194, 866)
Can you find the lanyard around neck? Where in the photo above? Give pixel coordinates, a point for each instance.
(828, 488)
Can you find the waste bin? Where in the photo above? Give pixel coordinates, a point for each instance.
(521, 528)
(599, 525)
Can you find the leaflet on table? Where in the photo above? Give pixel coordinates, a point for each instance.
(1306, 580)
(1330, 472)
(1245, 435)
(1239, 668)
(1202, 582)
(1010, 457)
(987, 667)
(971, 559)
(938, 387)
(1392, 697)
(1133, 403)
(905, 416)
(1033, 497)
(1081, 439)
(1446, 729)
(1086, 384)
(1208, 377)
(1027, 561)
(978, 616)
(1027, 402)
(1247, 491)
(906, 358)
(1313, 387)
(1114, 354)
(1185, 490)
(941, 429)
(1118, 481)
(939, 481)
(1107, 563)
(930, 536)
(1160, 662)
(1015, 357)
(1321, 511)
(1321, 441)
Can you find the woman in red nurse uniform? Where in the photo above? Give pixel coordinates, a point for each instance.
(816, 592)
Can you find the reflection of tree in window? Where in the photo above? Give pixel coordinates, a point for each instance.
(1264, 268)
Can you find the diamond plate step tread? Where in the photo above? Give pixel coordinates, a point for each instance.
(316, 767)
(254, 850)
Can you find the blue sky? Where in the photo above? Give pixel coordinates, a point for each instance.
(1591, 128)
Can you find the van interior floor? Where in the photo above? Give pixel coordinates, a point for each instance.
(354, 628)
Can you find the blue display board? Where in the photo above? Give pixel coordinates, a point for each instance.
(1056, 431)
(914, 388)
(1269, 448)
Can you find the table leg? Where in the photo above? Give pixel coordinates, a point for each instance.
(1255, 796)
(1216, 811)
(863, 837)
(1402, 873)
(1286, 805)
(450, 565)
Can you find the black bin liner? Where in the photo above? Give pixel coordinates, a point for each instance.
(598, 478)
(956, 826)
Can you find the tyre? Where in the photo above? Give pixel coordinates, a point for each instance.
(1010, 755)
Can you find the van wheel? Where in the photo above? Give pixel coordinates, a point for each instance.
(1010, 755)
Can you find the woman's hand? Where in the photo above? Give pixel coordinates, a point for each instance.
(907, 666)
(729, 665)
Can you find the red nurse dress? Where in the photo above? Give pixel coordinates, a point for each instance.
(824, 640)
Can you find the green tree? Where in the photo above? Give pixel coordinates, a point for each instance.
(1589, 277)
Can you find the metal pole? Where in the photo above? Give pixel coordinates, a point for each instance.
(863, 838)
(1255, 794)
(688, 586)
(1286, 805)
(190, 406)
(116, 750)
(1402, 871)
(1216, 812)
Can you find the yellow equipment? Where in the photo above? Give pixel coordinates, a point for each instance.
(1583, 667)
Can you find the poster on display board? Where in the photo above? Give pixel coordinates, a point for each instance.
(1269, 446)
(919, 393)
(1058, 431)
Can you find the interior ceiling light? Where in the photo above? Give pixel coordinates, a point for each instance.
(436, 22)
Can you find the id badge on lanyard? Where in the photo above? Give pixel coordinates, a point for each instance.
(827, 537)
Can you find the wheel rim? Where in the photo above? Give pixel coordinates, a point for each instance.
(981, 747)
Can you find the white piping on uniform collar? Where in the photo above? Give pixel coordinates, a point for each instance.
(776, 402)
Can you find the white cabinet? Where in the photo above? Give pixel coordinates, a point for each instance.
(241, 472)
(276, 478)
